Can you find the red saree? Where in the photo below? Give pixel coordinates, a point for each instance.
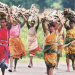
(4, 47)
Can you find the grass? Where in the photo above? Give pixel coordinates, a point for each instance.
(35, 59)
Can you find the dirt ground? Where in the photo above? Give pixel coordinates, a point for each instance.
(39, 68)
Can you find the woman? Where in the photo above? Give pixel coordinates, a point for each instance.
(70, 41)
(32, 43)
(3, 47)
(16, 46)
(50, 49)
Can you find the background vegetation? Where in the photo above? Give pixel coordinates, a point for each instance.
(41, 4)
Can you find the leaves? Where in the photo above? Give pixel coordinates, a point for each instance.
(42, 3)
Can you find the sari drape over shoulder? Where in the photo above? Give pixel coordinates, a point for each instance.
(50, 50)
(4, 49)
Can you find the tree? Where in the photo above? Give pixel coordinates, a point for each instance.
(27, 3)
(42, 4)
(12, 2)
(39, 3)
(68, 4)
(54, 4)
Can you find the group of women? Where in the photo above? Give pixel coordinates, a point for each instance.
(12, 46)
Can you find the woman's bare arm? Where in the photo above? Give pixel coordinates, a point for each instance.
(24, 18)
(38, 23)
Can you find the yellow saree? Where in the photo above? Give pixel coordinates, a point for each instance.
(50, 50)
(70, 40)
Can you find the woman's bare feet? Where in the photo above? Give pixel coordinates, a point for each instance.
(74, 68)
(14, 69)
(56, 67)
(30, 65)
(68, 70)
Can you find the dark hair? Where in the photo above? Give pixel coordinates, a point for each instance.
(3, 19)
(32, 21)
(71, 22)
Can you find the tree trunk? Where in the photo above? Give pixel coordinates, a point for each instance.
(41, 9)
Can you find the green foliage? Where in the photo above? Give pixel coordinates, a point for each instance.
(42, 3)
(60, 4)
(69, 4)
(57, 5)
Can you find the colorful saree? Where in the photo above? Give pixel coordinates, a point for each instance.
(50, 50)
(4, 48)
(16, 46)
(70, 41)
